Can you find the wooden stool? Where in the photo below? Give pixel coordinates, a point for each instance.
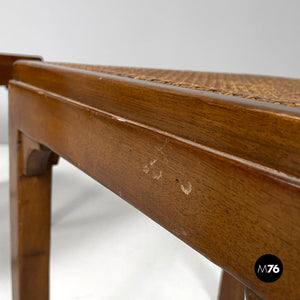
(213, 158)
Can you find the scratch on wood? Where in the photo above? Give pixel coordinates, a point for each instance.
(152, 162)
(162, 147)
(158, 176)
(146, 169)
(186, 189)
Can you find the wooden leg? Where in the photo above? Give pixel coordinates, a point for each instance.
(30, 189)
(250, 295)
(231, 289)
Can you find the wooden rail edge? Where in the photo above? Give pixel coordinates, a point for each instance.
(260, 132)
(6, 65)
(214, 201)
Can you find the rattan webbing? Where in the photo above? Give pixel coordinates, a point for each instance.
(276, 90)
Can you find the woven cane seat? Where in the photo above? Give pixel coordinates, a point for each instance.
(278, 90)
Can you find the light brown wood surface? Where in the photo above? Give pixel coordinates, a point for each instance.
(221, 173)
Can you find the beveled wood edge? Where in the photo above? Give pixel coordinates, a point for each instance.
(266, 133)
(230, 288)
(208, 97)
(6, 65)
(8, 58)
(88, 111)
(247, 164)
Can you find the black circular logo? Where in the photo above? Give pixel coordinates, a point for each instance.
(268, 268)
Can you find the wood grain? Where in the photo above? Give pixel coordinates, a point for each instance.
(261, 132)
(250, 295)
(227, 207)
(231, 289)
(6, 65)
(30, 190)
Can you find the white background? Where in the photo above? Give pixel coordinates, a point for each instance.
(102, 248)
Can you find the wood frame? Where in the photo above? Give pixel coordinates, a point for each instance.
(6, 65)
(219, 172)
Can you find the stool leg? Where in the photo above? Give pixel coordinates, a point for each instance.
(231, 289)
(250, 295)
(30, 189)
